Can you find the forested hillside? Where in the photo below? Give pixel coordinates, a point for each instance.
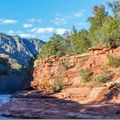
(104, 30)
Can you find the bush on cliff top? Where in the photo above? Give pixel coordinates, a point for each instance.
(104, 29)
(114, 61)
(53, 47)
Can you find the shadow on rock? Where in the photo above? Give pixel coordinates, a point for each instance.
(29, 106)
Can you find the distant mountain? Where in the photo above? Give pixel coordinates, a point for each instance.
(20, 49)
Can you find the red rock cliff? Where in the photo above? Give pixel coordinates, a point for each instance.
(68, 67)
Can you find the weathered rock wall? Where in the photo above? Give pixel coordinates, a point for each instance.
(68, 67)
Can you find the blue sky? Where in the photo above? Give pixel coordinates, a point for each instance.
(41, 18)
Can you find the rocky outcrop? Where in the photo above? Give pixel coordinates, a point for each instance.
(68, 67)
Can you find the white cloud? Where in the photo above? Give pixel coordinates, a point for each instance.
(81, 24)
(18, 32)
(49, 30)
(61, 31)
(60, 21)
(79, 14)
(43, 30)
(21, 34)
(8, 21)
(11, 32)
(26, 35)
(27, 25)
(63, 19)
(35, 20)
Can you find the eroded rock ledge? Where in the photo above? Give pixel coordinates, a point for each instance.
(84, 103)
(68, 67)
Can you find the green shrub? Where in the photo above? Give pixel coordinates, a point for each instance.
(53, 47)
(85, 74)
(65, 64)
(3, 70)
(114, 61)
(45, 84)
(105, 71)
(26, 69)
(99, 79)
(57, 85)
(4, 66)
(50, 62)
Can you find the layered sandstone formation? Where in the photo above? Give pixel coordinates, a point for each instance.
(68, 67)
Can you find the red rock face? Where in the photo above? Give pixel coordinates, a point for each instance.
(50, 68)
(68, 67)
